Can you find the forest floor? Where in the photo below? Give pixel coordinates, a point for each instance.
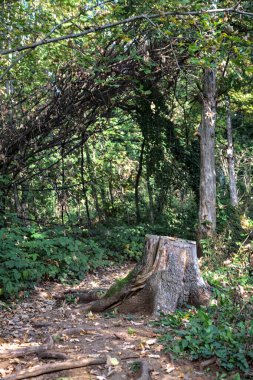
(116, 341)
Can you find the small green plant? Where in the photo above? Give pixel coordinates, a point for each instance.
(71, 298)
(113, 313)
(200, 335)
(135, 367)
(224, 329)
(131, 331)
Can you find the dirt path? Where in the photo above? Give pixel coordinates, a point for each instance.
(120, 340)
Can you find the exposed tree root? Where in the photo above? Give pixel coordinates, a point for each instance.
(55, 367)
(53, 355)
(88, 296)
(48, 345)
(83, 330)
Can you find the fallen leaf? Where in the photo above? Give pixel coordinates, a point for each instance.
(169, 368)
(111, 361)
(128, 346)
(151, 341)
(159, 348)
(90, 315)
(131, 331)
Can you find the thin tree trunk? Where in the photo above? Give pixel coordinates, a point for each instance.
(25, 203)
(17, 201)
(230, 158)
(151, 203)
(62, 184)
(111, 192)
(207, 203)
(104, 201)
(84, 188)
(93, 184)
(137, 182)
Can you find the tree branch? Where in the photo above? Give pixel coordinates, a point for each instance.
(99, 28)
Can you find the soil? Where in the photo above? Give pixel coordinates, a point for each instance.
(122, 340)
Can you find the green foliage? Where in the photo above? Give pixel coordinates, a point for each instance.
(202, 335)
(123, 242)
(224, 329)
(28, 255)
(31, 254)
(135, 366)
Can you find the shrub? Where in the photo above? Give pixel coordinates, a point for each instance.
(223, 330)
(200, 335)
(28, 255)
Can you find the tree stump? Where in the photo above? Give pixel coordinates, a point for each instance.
(168, 277)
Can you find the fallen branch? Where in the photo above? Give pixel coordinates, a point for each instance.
(53, 355)
(55, 367)
(48, 345)
(81, 330)
(82, 296)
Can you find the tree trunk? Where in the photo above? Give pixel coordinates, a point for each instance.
(151, 203)
(230, 157)
(93, 183)
(16, 200)
(167, 278)
(207, 202)
(137, 183)
(84, 186)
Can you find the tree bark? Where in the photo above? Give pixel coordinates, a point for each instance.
(92, 177)
(167, 278)
(55, 367)
(207, 203)
(230, 158)
(84, 187)
(151, 203)
(137, 183)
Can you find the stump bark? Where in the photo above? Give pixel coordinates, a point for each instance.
(168, 277)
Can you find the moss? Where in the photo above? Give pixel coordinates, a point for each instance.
(119, 285)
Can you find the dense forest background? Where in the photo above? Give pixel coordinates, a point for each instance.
(101, 132)
(122, 118)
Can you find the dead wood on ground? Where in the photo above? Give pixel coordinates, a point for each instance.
(53, 355)
(55, 367)
(48, 345)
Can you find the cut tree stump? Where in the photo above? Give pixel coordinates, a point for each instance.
(168, 277)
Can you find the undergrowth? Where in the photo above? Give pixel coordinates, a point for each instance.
(29, 254)
(224, 330)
